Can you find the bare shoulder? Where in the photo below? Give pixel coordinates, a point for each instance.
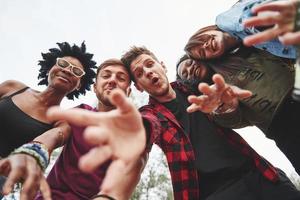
(10, 86)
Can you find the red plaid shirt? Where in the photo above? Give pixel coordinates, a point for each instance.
(165, 131)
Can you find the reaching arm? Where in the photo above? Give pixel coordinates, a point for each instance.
(55, 137)
(221, 100)
(235, 119)
(126, 180)
(284, 19)
(119, 135)
(219, 97)
(9, 87)
(23, 167)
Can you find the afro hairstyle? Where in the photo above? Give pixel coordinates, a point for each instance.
(65, 49)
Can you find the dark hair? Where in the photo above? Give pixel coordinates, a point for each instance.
(132, 54)
(192, 84)
(109, 62)
(65, 49)
(198, 38)
(181, 59)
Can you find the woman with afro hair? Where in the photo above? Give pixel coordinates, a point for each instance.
(28, 136)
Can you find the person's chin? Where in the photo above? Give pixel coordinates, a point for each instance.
(107, 102)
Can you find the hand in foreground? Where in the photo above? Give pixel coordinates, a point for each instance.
(126, 180)
(119, 134)
(24, 168)
(220, 93)
(281, 15)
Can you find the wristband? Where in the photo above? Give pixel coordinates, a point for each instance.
(103, 196)
(37, 150)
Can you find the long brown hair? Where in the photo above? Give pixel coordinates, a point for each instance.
(199, 38)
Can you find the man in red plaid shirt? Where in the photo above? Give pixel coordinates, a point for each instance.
(205, 160)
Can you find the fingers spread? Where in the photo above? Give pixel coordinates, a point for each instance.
(197, 100)
(114, 175)
(193, 108)
(290, 38)
(273, 6)
(241, 93)
(260, 37)
(45, 189)
(204, 88)
(261, 21)
(96, 135)
(94, 158)
(14, 176)
(31, 183)
(4, 167)
(76, 116)
(219, 82)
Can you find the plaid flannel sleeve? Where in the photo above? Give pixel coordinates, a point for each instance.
(152, 126)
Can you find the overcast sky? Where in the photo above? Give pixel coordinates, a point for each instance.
(109, 28)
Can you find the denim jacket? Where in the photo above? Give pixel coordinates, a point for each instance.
(231, 20)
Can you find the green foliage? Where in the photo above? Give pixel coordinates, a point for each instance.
(155, 181)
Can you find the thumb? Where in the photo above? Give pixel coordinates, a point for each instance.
(114, 176)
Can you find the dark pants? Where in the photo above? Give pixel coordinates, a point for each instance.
(253, 186)
(285, 131)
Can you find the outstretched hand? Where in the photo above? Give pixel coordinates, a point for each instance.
(281, 16)
(24, 168)
(220, 93)
(119, 135)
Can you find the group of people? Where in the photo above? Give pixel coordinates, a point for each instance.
(231, 76)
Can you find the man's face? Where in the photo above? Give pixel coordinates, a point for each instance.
(150, 75)
(212, 45)
(109, 78)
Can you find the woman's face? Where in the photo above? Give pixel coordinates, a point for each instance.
(65, 74)
(211, 45)
(190, 69)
